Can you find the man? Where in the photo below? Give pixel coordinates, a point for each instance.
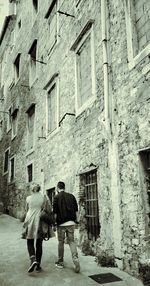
(65, 210)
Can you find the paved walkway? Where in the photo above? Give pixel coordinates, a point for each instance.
(14, 263)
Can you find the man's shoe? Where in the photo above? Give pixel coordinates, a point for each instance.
(32, 265)
(59, 264)
(77, 267)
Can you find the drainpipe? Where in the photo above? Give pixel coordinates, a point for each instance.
(105, 65)
(112, 144)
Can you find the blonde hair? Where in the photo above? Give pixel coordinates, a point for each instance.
(36, 188)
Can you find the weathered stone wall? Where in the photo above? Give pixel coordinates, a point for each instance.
(130, 92)
(83, 141)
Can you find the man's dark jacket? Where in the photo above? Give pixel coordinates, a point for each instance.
(65, 206)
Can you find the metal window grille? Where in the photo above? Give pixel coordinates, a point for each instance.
(89, 181)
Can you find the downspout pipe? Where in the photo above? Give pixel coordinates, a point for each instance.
(112, 144)
(105, 65)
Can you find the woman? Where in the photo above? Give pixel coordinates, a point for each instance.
(34, 204)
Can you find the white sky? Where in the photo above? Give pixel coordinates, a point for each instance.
(3, 11)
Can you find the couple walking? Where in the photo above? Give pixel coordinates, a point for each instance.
(65, 213)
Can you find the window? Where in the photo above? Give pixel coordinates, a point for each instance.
(14, 122)
(53, 19)
(33, 56)
(52, 109)
(51, 194)
(17, 67)
(31, 117)
(30, 172)
(137, 25)
(19, 24)
(89, 195)
(1, 126)
(145, 181)
(52, 104)
(12, 40)
(6, 161)
(84, 76)
(9, 119)
(77, 2)
(35, 8)
(12, 169)
(18, 28)
(85, 68)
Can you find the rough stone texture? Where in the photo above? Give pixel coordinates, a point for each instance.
(83, 140)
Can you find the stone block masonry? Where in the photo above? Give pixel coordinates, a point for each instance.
(68, 58)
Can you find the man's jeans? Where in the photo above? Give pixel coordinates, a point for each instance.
(67, 231)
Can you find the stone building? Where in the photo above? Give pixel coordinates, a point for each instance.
(74, 106)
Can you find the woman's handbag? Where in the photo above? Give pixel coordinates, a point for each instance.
(45, 231)
(47, 217)
(46, 221)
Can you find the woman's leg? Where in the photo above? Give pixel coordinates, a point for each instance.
(30, 247)
(31, 251)
(39, 250)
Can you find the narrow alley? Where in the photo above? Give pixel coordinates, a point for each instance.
(14, 263)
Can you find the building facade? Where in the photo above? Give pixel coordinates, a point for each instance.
(74, 106)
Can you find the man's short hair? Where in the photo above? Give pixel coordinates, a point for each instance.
(61, 185)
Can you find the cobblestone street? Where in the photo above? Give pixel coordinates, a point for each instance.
(14, 263)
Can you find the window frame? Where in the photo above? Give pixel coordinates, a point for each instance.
(35, 11)
(1, 129)
(9, 119)
(33, 61)
(92, 98)
(30, 164)
(48, 16)
(6, 172)
(77, 3)
(14, 114)
(17, 66)
(133, 60)
(10, 169)
(32, 106)
(144, 175)
(55, 82)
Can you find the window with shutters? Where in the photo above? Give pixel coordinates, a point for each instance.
(17, 67)
(12, 169)
(145, 183)
(35, 7)
(53, 23)
(9, 119)
(89, 196)
(137, 25)
(14, 122)
(85, 72)
(30, 173)
(51, 194)
(77, 2)
(1, 128)
(53, 106)
(30, 127)
(32, 64)
(6, 161)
